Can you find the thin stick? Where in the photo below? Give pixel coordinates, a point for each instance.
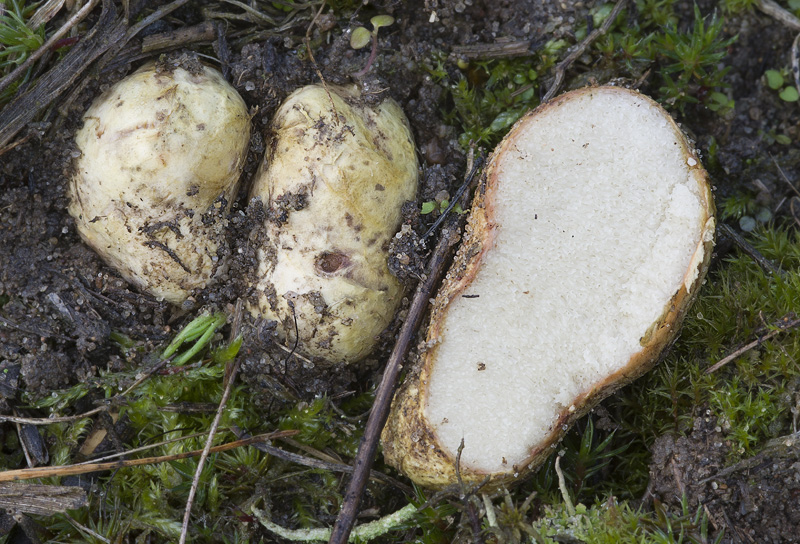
(158, 14)
(142, 448)
(751, 252)
(24, 445)
(796, 62)
(775, 11)
(201, 462)
(79, 16)
(561, 67)
(66, 419)
(757, 342)
(383, 397)
(476, 165)
(71, 470)
(152, 370)
(50, 420)
(321, 463)
(562, 486)
(314, 61)
(82, 528)
(784, 177)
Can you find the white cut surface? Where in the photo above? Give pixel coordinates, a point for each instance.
(598, 215)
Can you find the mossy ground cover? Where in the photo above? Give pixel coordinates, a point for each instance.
(694, 59)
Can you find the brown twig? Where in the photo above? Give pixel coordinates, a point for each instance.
(497, 50)
(79, 16)
(784, 325)
(142, 448)
(72, 470)
(231, 377)
(561, 67)
(750, 251)
(383, 396)
(204, 32)
(8, 147)
(307, 41)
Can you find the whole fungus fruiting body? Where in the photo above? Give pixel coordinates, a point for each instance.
(336, 173)
(587, 240)
(161, 155)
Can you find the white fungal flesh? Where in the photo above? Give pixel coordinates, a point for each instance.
(599, 214)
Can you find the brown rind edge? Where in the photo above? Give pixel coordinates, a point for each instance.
(410, 443)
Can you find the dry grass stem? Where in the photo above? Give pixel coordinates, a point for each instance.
(784, 325)
(71, 470)
(234, 370)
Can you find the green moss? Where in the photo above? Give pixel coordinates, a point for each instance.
(487, 97)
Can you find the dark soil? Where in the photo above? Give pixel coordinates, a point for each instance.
(751, 501)
(59, 303)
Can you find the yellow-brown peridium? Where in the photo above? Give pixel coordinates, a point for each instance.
(587, 241)
(161, 155)
(336, 173)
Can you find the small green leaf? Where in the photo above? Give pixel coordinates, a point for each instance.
(427, 207)
(443, 205)
(381, 20)
(503, 120)
(789, 94)
(602, 14)
(228, 352)
(774, 79)
(764, 214)
(360, 37)
(718, 101)
(783, 139)
(747, 223)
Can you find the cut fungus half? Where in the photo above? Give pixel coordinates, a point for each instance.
(586, 243)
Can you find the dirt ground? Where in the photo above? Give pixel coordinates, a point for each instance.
(59, 303)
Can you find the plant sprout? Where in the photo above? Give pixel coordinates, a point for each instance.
(361, 37)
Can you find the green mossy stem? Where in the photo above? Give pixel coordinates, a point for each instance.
(366, 532)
